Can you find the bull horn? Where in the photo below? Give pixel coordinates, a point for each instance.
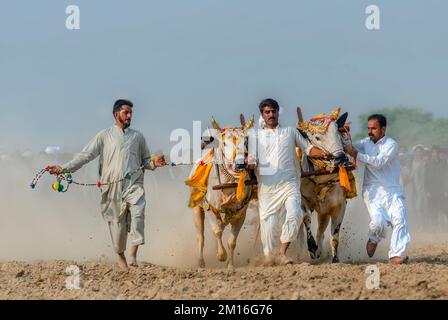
(335, 113)
(242, 120)
(299, 114)
(250, 124)
(215, 125)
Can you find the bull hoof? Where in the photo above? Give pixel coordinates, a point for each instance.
(201, 263)
(315, 254)
(312, 247)
(222, 256)
(335, 259)
(230, 267)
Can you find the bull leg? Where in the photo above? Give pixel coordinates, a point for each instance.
(301, 238)
(234, 231)
(218, 229)
(336, 222)
(322, 220)
(198, 218)
(311, 243)
(221, 255)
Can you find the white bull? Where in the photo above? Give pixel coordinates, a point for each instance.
(226, 166)
(323, 193)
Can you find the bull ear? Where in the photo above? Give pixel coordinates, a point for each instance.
(242, 120)
(341, 121)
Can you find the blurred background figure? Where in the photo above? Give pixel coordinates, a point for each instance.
(418, 180)
(405, 174)
(435, 187)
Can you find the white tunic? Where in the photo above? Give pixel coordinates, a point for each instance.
(120, 152)
(383, 194)
(382, 161)
(278, 167)
(279, 185)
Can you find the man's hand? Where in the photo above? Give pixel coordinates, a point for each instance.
(318, 153)
(250, 162)
(351, 151)
(159, 161)
(55, 169)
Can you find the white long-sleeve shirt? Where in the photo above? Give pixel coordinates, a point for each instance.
(278, 172)
(382, 165)
(120, 152)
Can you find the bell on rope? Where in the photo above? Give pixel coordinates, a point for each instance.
(57, 187)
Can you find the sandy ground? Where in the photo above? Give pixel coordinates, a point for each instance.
(425, 277)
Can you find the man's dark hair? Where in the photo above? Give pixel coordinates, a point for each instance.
(380, 118)
(120, 103)
(268, 103)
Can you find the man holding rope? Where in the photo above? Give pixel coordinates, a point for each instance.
(121, 150)
(278, 180)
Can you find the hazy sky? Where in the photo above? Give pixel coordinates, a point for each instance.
(185, 60)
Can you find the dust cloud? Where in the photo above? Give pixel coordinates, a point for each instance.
(42, 224)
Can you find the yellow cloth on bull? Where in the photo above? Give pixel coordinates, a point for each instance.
(348, 182)
(299, 154)
(199, 180)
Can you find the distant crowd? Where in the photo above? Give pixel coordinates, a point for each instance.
(424, 176)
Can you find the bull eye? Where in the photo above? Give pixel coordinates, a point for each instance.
(317, 138)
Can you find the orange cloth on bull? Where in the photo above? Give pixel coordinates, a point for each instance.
(199, 180)
(343, 179)
(353, 192)
(241, 188)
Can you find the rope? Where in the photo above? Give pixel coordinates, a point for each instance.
(67, 177)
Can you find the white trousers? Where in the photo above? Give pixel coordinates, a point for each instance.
(133, 222)
(388, 210)
(288, 216)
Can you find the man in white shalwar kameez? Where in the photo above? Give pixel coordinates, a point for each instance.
(121, 150)
(382, 191)
(278, 181)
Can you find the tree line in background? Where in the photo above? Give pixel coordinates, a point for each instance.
(411, 126)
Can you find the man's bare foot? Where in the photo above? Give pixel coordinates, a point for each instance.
(133, 256)
(133, 261)
(284, 260)
(371, 248)
(269, 261)
(122, 264)
(398, 260)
